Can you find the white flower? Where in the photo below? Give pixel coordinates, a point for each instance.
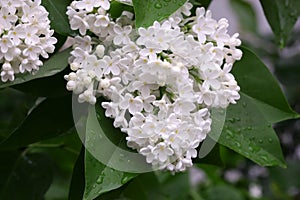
(162, 151)
(122, 34)
(27, 36)
(133, 104)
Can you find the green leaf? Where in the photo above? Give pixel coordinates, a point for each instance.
(77, 184)
(148, 11)
(24, 176)
(50, 118)
(14, 106)
(248, 128)
(282, 16)
(208, 152)
(257, 82)
(57, 14)
(246, 16)
(51, 86)
(148, 186)
(153, 185)
(176, 187)
(108, 144)
(63, 151)
(249, 133)
(54, 65)
(213, 157)
(100, 178)
(116, 9)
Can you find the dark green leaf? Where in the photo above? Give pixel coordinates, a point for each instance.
(14, 106)
(52, 86)
(77, 184)
(282, 16)
(249, 133)
(176, 187)
(108, 144)
(61, 39)
(148, 11)
(49, 119)
(248, 129)
(246, 16)
(116, 9)
(213, 157)
(209, 151)
(24, 176)
(100, 178)
(154, 185)
(54, 65)
(257, 82)
(63, 151)
(57, 14)
(148, 187)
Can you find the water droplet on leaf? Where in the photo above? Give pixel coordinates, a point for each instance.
(232, 120)
(125, 179)
(237, 144)
(270, 140)
(158, 5)
(229, 133)
(100, 178)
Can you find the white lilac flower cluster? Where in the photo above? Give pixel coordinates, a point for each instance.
(160, 81)
(25, 35)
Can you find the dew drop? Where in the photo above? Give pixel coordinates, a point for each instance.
(270, 140)
(244, 104)
(158, 5)
(232, 120)
(229, 133)
(253, 148)
(237, 144)
(100, 178)
(125, 179)
(249, 128)
(260, 141)
(264, 158)
(239, 130)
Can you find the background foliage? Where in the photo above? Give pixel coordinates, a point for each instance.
(43, 157)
